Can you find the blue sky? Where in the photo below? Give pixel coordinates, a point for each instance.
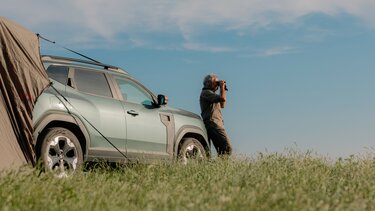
(300, 72)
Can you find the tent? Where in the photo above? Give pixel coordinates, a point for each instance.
(22, 79)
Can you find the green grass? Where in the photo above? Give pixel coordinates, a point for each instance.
(288, 181)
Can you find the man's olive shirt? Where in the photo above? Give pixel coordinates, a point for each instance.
(211, 109)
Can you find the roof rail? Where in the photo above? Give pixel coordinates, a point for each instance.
(105, 66)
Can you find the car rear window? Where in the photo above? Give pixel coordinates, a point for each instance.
(92, 82)
(58, 73)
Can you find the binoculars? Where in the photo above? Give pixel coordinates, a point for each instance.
(225, 85)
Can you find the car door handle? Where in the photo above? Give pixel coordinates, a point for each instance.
(132, 112)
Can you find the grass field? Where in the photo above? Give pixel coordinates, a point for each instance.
(288, 181)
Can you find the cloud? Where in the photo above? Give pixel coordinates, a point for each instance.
(206, 48)
(106, 19)
(277, 51)
(273, 51)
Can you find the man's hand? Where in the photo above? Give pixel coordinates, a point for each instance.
(222, 84)
(223, 94)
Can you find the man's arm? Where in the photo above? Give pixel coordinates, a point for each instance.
(223, 94)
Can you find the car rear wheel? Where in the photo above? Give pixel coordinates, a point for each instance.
(61, 152)
(191, 150)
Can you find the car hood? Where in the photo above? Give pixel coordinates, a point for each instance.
(182, 112)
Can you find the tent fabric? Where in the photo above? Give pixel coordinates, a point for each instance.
(22, 80)
(10, 152)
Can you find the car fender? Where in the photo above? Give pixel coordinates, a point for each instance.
(189, 129)
(63, 117)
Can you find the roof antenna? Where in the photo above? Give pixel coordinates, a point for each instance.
(53, 42)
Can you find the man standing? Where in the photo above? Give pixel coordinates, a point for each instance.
(211, 105)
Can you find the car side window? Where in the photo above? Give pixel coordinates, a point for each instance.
(131, 92)
(92, 82)
(58, 73)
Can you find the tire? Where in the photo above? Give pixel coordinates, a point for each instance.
(191, 150)
(61, 152)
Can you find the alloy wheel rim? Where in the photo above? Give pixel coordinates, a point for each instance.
(62, 156)
(192, 152)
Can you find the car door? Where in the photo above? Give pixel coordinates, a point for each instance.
(91, 95)
(146, 133)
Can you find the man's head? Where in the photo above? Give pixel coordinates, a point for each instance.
(210, 82)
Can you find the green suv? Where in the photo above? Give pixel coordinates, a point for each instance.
(95, 111)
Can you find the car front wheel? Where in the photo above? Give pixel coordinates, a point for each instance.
(61, 152)
(191, 150)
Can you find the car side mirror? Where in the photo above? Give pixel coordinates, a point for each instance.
(162, 100)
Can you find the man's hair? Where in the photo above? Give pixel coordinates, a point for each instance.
(208, 80)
